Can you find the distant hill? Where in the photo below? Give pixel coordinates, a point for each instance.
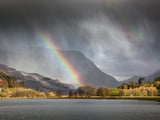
(36, 81)
(43, 62)
(149, 78)
(153, 76)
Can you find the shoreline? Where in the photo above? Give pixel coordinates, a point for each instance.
(150, 98)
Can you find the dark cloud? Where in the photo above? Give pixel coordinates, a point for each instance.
(121, 37)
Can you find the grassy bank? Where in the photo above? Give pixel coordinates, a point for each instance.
(155, 98)
(152, 98)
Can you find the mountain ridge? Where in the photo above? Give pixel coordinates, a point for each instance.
(36, 81)
(42, 60)
(148, 78)
(89, 72)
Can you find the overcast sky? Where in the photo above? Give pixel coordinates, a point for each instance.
(121, 37)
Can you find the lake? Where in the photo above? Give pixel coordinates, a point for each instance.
(78, 109)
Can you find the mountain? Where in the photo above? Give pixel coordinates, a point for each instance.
(36, 81)
(153, 76)
(149, 78)
(42, 61)
(90, 74)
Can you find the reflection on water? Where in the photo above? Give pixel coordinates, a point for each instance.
(78, 109)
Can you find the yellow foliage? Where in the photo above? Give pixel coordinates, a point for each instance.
(21, 92)
(141, 91)
(51, 94)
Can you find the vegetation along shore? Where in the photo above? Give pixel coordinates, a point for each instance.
(11, 89)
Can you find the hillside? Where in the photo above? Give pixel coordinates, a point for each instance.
(42, 61)
(36, 81)
(10, 88)
(7, 81)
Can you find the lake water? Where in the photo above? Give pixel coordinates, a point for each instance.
(78, 109)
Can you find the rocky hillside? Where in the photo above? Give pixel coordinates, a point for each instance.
(36, 81)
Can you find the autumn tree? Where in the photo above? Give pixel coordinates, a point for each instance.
(13, 84)
(90, 90)
(124, 86)
(87, 90)
(59, 93)
(81, 91)
(70, 94)
(50, 94)
(145, 84)
(75, 94)
(141, 80)
(156, 83)
(131, 85)
(103, 91)
(100, 91)
(3, 84)
(157, 79)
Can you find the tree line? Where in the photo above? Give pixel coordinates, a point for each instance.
(141, 88)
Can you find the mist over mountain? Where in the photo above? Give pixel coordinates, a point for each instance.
(46, 64)
(120, 36)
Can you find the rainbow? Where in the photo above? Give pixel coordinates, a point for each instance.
(69, 69)
(127, 26)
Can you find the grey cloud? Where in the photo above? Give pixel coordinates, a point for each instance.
(122, 38)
